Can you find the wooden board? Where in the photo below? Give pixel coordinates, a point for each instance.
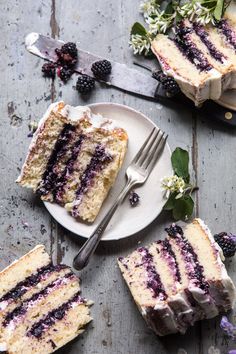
(102, 27)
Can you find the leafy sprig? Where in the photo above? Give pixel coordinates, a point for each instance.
(177, 188)
(161, 15)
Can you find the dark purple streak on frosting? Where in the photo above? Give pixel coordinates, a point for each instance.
(60, 182)
(22, 309)
(202, 33)
(190, 257)
(189, 50)
(55, 315)
(154, 280)
(228, 32)
(21, 288)
(99, 159)
(49, 176)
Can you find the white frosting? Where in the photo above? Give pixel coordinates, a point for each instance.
(3, 347)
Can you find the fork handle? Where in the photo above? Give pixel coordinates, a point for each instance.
(89, 247)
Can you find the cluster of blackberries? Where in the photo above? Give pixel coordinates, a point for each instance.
(168, 83)
(67, 59)
(64, 66)
(100, 69)
(227, 243)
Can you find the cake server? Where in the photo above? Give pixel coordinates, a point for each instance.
(126, 79)
(137, 173)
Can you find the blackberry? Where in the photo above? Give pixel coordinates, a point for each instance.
(64, 73)
(227, 243)
(85, 84)
(133, 198)
(173, 230)
(101, 68)
(49, 70)
(67, 55)
(167, 82)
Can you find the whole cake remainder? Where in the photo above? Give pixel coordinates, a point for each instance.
(201, 59)
(179, 280)
(40, 305)
(74, 159)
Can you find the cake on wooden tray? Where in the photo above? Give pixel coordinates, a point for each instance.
(180, 280)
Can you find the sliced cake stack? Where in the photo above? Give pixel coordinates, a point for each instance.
(201, 59)
(40, 305)
(179, 280)
(74, 159)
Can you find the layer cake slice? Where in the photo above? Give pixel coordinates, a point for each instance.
(74, 159)
(44, 310)
(180, 280)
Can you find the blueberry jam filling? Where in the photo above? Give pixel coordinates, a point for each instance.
(22, 309)
(168, 250)
(227, 31)
(195, 269)
(55, 315)
(154, 281)
(21, 288)
(60, 182)
(202, 33)
(189, 49)
(59, 149)
(98, 161)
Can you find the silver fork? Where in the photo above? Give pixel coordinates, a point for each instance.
(136, 173)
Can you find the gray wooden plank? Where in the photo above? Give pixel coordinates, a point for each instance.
(24, 96)
(105, 30)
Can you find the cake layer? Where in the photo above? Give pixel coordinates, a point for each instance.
(45, 336)
(22, 268)
(43, 311)
(179, 280)
(79, 164)
(197, 81)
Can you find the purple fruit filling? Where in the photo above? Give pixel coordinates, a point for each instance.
(53, 316)
(22, 309)
(202, 33)
(21, 288)
(154, 280)
(169, 254)
(228, 32)
(194, 268)
(189, 50)
(99, 160)
(60, 182)
(59, 150)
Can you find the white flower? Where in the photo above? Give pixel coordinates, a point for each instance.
(140, 44)
(173, 184)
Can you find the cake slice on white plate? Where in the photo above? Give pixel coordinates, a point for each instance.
(180, 280)
(202, 59)
(40, 305)
(74, 159)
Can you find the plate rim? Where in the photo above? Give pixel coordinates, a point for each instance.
(133, 110)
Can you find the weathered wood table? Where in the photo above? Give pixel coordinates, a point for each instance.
(102, 27)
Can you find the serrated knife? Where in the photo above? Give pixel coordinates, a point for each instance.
(125, 78)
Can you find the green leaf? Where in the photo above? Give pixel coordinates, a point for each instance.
(183, 208)
(218, 12)
(169, 9)
(137, 28)
(180, 161)
(169, 205)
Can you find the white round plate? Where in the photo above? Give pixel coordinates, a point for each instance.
(228, 100)
(127, 220)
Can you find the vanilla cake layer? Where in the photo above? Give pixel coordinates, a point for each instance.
(74, 159)
(180, 280)
(200, 58)
(196, 84)
(43, 311)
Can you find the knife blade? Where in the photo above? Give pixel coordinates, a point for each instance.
(126, 79)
